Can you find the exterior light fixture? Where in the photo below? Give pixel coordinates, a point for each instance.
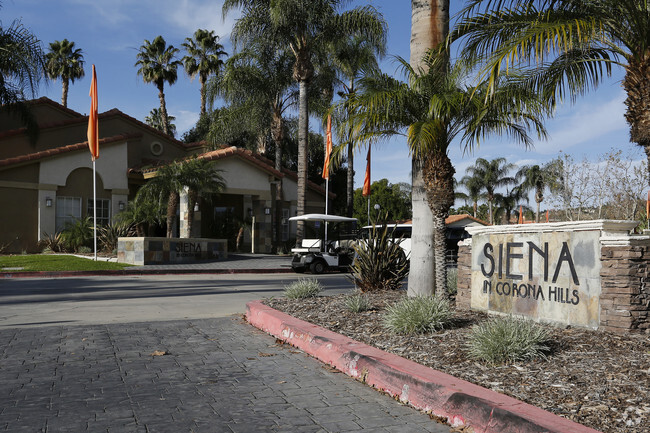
(121, 205)
(267, 211)
(48, 202)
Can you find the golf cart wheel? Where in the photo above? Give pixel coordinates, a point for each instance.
(317, 267)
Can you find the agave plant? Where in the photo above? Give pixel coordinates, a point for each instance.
(380, 263)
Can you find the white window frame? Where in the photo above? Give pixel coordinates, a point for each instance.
(68, 209)
(103, 210)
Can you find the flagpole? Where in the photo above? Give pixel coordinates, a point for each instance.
(95, 208)
(327, 193)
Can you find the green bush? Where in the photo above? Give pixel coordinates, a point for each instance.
(52, 243)
(303, 288)
(418, 315)
(502, 340)
(108, 235)
(380, 263)
(357, 302)
(84, 250)
(452, 281)
(78, 233)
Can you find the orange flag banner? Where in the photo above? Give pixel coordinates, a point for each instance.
(328, 149)
(547, 216)
(93, 139)
(521, 215)
(366, 181)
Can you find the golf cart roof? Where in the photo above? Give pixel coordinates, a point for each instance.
(321, 217)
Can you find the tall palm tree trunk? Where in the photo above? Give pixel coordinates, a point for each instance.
(64, 92)
(172, 206)
(303, 130)
(429, 27)
(163, 109)
(277, 133)
(637, 114)
(202, 80)
(192, 198)
(350, 180)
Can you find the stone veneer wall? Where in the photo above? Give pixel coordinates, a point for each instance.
(151, 250)
(625, 296)
(625, 283)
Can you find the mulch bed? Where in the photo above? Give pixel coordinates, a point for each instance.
(597, 379)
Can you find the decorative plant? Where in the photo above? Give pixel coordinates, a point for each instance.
(418, 315)
(380, 263)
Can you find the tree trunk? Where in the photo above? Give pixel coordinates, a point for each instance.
(637, 113)
(438, 173)
(422, 265)
(64, 92)
(475, 208)
(163, 109)
(350, 180)
(303, 131)
(429, 27)
(202, 80)
(172, 206)
(192, 198)
(277, 133)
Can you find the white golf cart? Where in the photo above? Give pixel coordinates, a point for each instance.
(318, 255)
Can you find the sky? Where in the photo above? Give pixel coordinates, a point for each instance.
(110, 33)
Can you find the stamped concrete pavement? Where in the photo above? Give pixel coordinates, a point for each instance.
(203, 375)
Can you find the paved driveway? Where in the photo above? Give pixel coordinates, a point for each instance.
(192, 375)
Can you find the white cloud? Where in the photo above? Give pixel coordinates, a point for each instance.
(584, 123)
(185, 120)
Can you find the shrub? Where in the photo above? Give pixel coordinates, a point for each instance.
(84, 250)
(418, 315)
(505, 339)
(452, 281)
(380, 263)
(357, 302)
(78, 233)
(303, 288)
(109, 234)
(52, 243)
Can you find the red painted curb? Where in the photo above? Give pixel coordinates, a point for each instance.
(458, 401)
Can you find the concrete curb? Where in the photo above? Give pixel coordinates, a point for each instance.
(58, 274)
(459, 402)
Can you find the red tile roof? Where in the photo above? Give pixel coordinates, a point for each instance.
(79, 118)
(8, 162)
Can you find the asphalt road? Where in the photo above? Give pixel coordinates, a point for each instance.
(26, 302)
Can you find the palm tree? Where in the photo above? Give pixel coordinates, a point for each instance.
(353, 57)
(65, 62)
(474, 188)
(164, 187)
(506, 203)
(534, 178)
(568, 46)
(305, 27)
(22, 64)
(259, 81)
(199, 177)
(203, 58)
(492, 175)
(155, 120)
(158, 65)
(432, 108)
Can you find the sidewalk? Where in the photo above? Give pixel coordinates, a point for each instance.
(239, 263)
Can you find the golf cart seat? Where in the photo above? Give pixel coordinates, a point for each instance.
(308, 246)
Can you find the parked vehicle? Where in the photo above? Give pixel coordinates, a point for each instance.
(322, 253)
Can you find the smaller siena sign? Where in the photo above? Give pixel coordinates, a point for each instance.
(546, 275)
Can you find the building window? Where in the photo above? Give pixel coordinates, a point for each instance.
(103, 211)
(285, 225)
(68, 209)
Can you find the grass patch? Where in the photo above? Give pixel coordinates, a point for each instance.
(303, 288)
(502, 340)
(418, 315)
(357, 303)
(51, 262)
